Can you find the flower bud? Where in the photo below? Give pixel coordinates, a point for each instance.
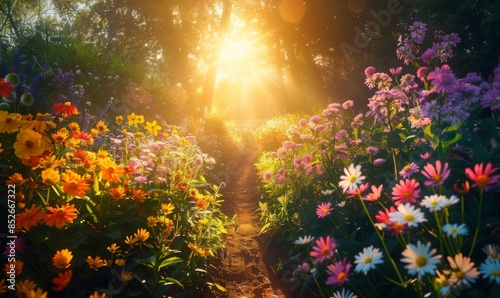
(27, 99)
(13, 78)
(4, 106)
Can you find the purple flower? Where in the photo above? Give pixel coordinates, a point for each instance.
(442, 79)
(396, 71)
(491, 100)
(370, 71)
(379, 162)
(428, 55)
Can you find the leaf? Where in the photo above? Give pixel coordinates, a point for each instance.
(170, 261)
(167, 280)
(393, 139)
(264, 228)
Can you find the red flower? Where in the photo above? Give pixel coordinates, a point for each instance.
(67, 109)
(482, 177)
(5, 88)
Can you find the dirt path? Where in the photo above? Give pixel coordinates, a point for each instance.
(247, 269)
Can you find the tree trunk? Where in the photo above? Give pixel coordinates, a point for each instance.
(209, 87)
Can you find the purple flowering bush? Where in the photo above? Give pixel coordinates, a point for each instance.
(402, 199)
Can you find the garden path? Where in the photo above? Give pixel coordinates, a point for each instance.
(248, 269)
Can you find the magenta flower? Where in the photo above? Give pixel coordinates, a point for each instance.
(324, 209)
(338, 272)
(436, 175)
(482, 177)
(406, 191)
(324, 249)
(370, 71)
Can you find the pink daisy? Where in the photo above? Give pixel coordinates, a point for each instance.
(324, 249)
(338, 272)
(375, 194)
(436, 175)
(324, 209)
(354, 193)
(406, 191)
(482, 177)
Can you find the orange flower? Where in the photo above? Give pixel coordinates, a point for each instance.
(39, 293)
(120, 262)
(138, 195)
(110, 171)
(126, 276)
(29, 218)
(17, 264)
(66, 109)
(117, 193)
(41, 122)
(62, 259)
(73, 126)
(60, 216)
(200, 203)
(24, 287)
(29, 143)
(141, 235)
(113, 248)
(97, 295)
(73, 184)
(51, 162)
(10, 122)
(95, 263)
(62, 280)
(32, 162)
(50, 177)
(16, 179)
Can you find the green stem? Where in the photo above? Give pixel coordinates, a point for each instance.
(481, 192)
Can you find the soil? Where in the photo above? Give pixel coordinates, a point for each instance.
(249, 267)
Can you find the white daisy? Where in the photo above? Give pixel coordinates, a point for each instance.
(352, 178)
(304, 240)
(463, 271)
(344, 294)
(434, 202)
(367, 259)
(455, 230)
(407, 214)
(421, 259)
(491, 270)
(492, 251)
(327, 192)
(452, 200)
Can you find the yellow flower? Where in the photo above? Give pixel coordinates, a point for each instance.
(203, 221)
(62, 259)
(101, 154)
(140, 119)
(41, 122)
(120, 262)
(119, 119)
(94, 132)
(167, 208)
(130, 240)
(24, 287)
(151, 221)
(50, 177)
(73, 126)
(29, 143)
(51, 162)
(132, 119)
(141, 235)
(152, 127)
(113, 248)
(126, 276)
(60, 136)
(10, 122)
(95, 263)
(102, 127)
(39, 293)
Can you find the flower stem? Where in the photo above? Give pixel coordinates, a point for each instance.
(481, 192)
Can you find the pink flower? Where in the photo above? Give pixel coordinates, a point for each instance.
(320, 127)
(396, 71)
(338, 272)
(375, 194)
(324, 209)
(347, 104)
(409, 170)
(422, 72)
(354, 193)
(482, 177)
(303, 123)
(315, 119)
(267, 176)
(406, 192)
(370, 71)
(324, 249)
(379, 162)
(436, 175)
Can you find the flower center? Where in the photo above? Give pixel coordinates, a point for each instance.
(342, 276)
(29, 144)
(73, 184)
(409, 217)
(454, 230)
(460, 275)
(111, 170)
(437, 178)
(60, 212)
(482, 180)
(495, 273)
(494, 255)
(368, 260)
(352, 179)
(421, 261)
(325, 251)
(407, 193)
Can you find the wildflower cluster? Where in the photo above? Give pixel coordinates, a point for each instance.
(395, 201)
(122, 208)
